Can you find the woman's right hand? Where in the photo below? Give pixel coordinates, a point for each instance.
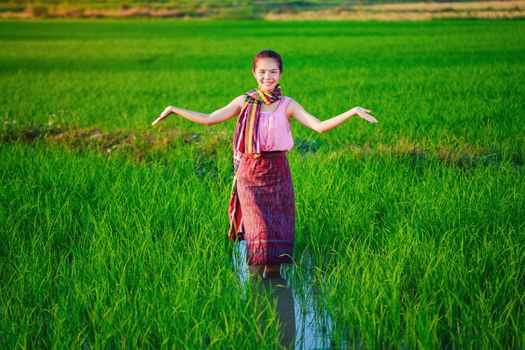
(164, 114)
(363, 113)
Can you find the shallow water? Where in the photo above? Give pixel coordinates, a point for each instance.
(313, 325)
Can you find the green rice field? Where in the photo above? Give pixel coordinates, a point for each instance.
(410, 232)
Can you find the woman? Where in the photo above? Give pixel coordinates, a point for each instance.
(262, 206)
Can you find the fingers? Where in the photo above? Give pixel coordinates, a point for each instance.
(156, 121)
(162, 116)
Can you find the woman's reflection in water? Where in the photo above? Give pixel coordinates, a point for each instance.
(272, 282)
(301, 317)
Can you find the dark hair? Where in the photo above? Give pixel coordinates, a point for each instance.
(269, 54)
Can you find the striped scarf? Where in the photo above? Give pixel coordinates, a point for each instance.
(246, 141)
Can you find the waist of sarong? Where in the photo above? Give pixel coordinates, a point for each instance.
(265, 154)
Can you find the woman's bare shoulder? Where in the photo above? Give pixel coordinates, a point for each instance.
(241, 99)
(238, 101)
(291, 107)
(292, 102)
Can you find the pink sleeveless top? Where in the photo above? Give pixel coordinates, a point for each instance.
(274, 129)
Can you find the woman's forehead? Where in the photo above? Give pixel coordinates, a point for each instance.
(266, 63)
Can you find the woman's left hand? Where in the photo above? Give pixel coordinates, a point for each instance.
(363, 113)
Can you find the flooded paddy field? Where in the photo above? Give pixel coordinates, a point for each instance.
(409, 233)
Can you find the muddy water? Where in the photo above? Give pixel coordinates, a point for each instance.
(305, 322)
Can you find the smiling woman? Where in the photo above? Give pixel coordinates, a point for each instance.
(262, 204)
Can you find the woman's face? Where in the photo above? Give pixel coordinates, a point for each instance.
(267, 73)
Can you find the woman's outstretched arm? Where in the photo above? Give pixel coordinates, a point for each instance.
(302, 116)
(231, 110)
